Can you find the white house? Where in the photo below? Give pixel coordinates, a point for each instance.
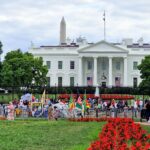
(102, 63)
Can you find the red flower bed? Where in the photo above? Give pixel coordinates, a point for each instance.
(88, 119)
(116, 96)
(121, 134)
(103, 96)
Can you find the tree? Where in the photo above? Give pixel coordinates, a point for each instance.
(22, 70)
(1, 51)
(144, 68)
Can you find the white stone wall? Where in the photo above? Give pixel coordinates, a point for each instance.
(65, 72)
(133, 73)
(100, 50)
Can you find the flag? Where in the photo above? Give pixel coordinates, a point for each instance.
(117, 81)
(84, 100)
(89, 81)
(79, 103)
(71, 103)
(104, 16)
(43, 97)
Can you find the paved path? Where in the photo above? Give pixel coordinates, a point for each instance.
(144, 123)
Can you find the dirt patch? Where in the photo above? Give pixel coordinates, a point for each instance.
(2, 118)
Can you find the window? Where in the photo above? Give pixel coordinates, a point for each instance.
(89, 65)
(72, 65)
(103, 65)
(60, 64)
(118, 65)
(59, 81)
(48, 63)
(135, 82)
(71, 81)
(48, 81)
(135, 64)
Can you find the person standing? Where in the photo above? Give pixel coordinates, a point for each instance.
(55, 113)
(126, 109)
(11, 109)
(135, 108)
(141, 105)
(148, 111)
(50, 113)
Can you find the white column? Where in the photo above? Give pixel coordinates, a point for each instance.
(110, 71)
(125, 71)
(95, 72)
(80, 71)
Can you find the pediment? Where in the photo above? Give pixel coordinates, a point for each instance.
(103, 47)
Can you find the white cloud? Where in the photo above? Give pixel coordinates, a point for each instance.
(22, 21)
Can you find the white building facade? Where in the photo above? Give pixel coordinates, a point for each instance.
(93, 64)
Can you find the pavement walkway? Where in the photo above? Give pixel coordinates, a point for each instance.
(144, 123)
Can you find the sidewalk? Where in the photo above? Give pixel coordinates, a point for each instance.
(144, 123)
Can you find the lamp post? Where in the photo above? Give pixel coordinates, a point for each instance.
(77, 92)
(55, 92)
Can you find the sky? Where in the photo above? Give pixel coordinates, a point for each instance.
(37, 21)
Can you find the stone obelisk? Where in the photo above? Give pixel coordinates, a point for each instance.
(62, 31)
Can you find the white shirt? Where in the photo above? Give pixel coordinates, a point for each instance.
(141, 103)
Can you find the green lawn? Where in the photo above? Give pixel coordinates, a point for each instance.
(44, 135)
(53, 135)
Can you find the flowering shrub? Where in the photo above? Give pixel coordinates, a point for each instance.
(121, 134)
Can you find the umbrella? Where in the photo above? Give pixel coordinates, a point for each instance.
(26, 97)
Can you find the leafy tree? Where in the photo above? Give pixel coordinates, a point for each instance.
(23, 70)
(144, 68)
(1, 51)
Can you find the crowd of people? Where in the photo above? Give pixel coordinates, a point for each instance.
(135, 106)
(51, 109)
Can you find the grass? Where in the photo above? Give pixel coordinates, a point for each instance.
(44, 135)
(147, 128)
(39, 134)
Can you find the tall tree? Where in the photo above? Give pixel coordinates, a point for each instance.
(144, 68)
(22, 69)
(1, 51)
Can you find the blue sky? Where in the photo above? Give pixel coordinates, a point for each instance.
(23, 21)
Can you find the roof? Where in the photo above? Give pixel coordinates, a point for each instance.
(60, 46)
(136, 45)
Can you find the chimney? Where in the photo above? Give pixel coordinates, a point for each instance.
(127, 41)
(140, 41)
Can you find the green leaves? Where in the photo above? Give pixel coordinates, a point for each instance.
(20, 69)
(144, 68)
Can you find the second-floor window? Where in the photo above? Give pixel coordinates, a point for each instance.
(72, 63)
(89, 65)
(60, 64)
(135, 65)
(118, 65)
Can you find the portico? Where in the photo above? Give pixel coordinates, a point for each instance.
(108, 68)
(102, 72)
